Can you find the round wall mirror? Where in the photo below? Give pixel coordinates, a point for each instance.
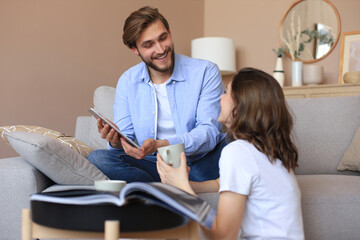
(310, 30)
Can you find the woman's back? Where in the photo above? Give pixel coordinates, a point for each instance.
(273, 206)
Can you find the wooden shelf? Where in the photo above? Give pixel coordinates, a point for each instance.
(323, 90)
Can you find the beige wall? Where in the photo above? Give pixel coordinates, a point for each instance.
(53, 54)
(254, 26)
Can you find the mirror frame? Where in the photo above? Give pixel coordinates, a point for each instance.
(337, 36)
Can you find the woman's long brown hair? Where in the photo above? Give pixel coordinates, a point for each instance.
(261, 116)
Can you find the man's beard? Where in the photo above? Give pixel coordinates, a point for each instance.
(150, 64)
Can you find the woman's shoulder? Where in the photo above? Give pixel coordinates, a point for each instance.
(239, 155)
(239, 144)
(238, 149)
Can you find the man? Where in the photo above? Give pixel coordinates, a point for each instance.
(166, 99)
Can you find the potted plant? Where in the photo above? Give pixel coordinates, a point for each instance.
(278, 73)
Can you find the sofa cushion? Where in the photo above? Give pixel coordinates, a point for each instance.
(330, 202)
(54, 159)
(103, 103)
(323, 130)
(351, 158)
(70, 141)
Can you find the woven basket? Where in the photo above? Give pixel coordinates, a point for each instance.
(352, 77)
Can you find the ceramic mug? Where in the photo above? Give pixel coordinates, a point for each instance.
(171, 154)
(109, 185)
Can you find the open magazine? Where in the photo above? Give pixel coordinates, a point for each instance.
(160, 194)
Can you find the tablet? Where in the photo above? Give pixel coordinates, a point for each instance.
(104, 120)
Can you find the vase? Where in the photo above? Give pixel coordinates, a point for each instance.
(278, 73)
(296, 73)
(312, 74)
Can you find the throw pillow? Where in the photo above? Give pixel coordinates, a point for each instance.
(54, 159)
(71, 142)
(351, 158)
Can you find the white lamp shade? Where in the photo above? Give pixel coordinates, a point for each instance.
(218, 50)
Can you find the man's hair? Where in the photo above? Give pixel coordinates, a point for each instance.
(261, 116)
(138, 21)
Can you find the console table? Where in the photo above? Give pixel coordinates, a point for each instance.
(322, 90)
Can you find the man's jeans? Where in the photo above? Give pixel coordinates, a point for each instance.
(117, 165)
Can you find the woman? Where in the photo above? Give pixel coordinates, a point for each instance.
(259, 195)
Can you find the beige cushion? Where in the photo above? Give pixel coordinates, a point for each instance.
(54, 159)
(69, 141)
(351, 158)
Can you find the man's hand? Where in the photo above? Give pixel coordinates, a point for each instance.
(106, 132)
(149, 146)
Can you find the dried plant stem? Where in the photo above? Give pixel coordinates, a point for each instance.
(308, 52)
(293, 40)
(292, 28)
(288, 44)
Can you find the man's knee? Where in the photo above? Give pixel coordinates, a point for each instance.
(97, 155)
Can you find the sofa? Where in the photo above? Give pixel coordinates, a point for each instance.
(326, 132)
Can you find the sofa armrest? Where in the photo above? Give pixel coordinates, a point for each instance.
(82, 129)
(18, 181)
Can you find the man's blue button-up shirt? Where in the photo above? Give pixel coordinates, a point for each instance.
(193, 90)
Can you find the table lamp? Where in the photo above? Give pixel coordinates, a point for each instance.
(218, 50)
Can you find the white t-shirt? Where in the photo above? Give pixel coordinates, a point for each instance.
(273, 205)
(165, 122)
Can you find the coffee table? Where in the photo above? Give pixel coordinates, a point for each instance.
(112, 231)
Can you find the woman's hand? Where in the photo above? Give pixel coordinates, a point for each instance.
(178, 177)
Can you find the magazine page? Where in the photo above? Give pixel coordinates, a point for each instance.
(77, 197)
(173, 198)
